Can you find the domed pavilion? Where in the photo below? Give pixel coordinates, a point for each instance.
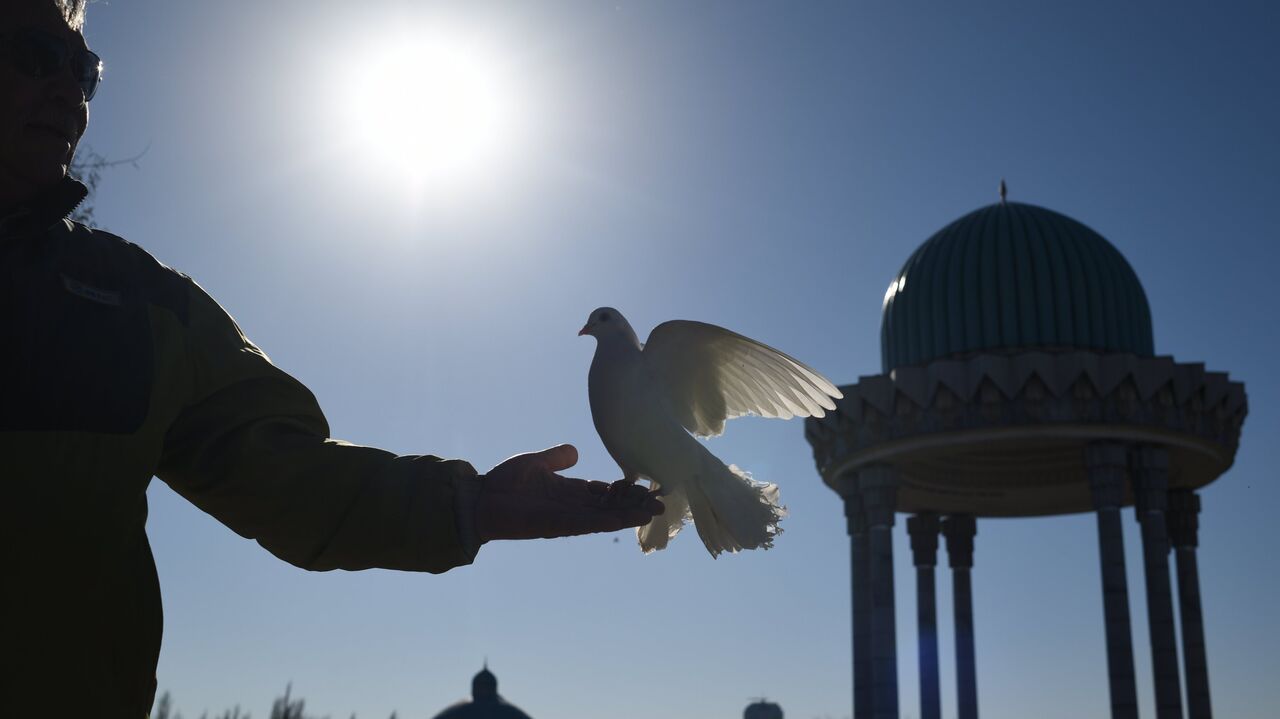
(1018, 379)
(485, 702)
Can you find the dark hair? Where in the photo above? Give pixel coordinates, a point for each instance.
(73, 11)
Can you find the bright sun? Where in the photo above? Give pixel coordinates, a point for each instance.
(437, 112)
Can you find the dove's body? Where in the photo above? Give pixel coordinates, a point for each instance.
(623, 400)
(643, 436)
(691, 377)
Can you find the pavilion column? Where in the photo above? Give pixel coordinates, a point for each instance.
(1151, 499)
(860, 578)
(1107, 466)
(878, 485)
(959, 529)
(1184, 525)
(923, 529)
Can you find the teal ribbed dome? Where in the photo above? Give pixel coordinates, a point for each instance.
(1010, 277)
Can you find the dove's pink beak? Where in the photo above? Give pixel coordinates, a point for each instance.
(584, 329)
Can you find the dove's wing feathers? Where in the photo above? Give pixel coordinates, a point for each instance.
(709, 374)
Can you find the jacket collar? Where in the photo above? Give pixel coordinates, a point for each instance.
(45, 211)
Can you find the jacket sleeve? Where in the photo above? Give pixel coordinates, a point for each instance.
(251, 447)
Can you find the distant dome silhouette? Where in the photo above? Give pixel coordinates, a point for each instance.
(762, 710)
(485, 702)
(1013, 277)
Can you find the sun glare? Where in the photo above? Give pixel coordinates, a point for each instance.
(433, 111)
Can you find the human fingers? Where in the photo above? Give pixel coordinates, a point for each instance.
(630, 498)
(591, 494)
(557, 458)
(590, 522)
(623, 493)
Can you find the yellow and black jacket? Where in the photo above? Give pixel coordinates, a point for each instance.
(116, 368)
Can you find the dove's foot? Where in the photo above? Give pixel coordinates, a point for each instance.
(657, 490)
(624, 492)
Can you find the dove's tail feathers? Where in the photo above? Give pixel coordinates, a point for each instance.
(732, 511)
(663, 527)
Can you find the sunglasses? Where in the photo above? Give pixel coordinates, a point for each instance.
(40, 54)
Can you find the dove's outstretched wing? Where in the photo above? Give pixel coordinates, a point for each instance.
(709, 374)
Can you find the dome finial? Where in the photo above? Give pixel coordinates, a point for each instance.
(1004, 191)
(484, 685)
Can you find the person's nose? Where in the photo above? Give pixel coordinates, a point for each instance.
(64, 89)
(64, 95)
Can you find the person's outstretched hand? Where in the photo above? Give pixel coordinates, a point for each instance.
(524, 498)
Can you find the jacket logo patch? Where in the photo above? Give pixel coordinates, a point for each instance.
(105, 297)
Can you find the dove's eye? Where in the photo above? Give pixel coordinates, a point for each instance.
(604, 316)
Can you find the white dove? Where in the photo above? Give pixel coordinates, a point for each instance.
(691, 377)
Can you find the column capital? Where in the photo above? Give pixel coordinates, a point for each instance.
(1150, 477)
(1183, 518)
(878, 485)
(1106, 453)
(1107, 465)
(959, 529)
(854, 512)
(846, 485)
(1149, 457)
(923, 530)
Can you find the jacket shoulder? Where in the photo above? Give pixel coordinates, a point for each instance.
(115, 260)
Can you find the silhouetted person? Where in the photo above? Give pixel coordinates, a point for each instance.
(116, 368)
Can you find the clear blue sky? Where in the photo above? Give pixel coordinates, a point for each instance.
(763, 166)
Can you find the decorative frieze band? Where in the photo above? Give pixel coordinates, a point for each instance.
(1032, 388)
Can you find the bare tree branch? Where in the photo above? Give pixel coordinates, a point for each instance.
(87, 167)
